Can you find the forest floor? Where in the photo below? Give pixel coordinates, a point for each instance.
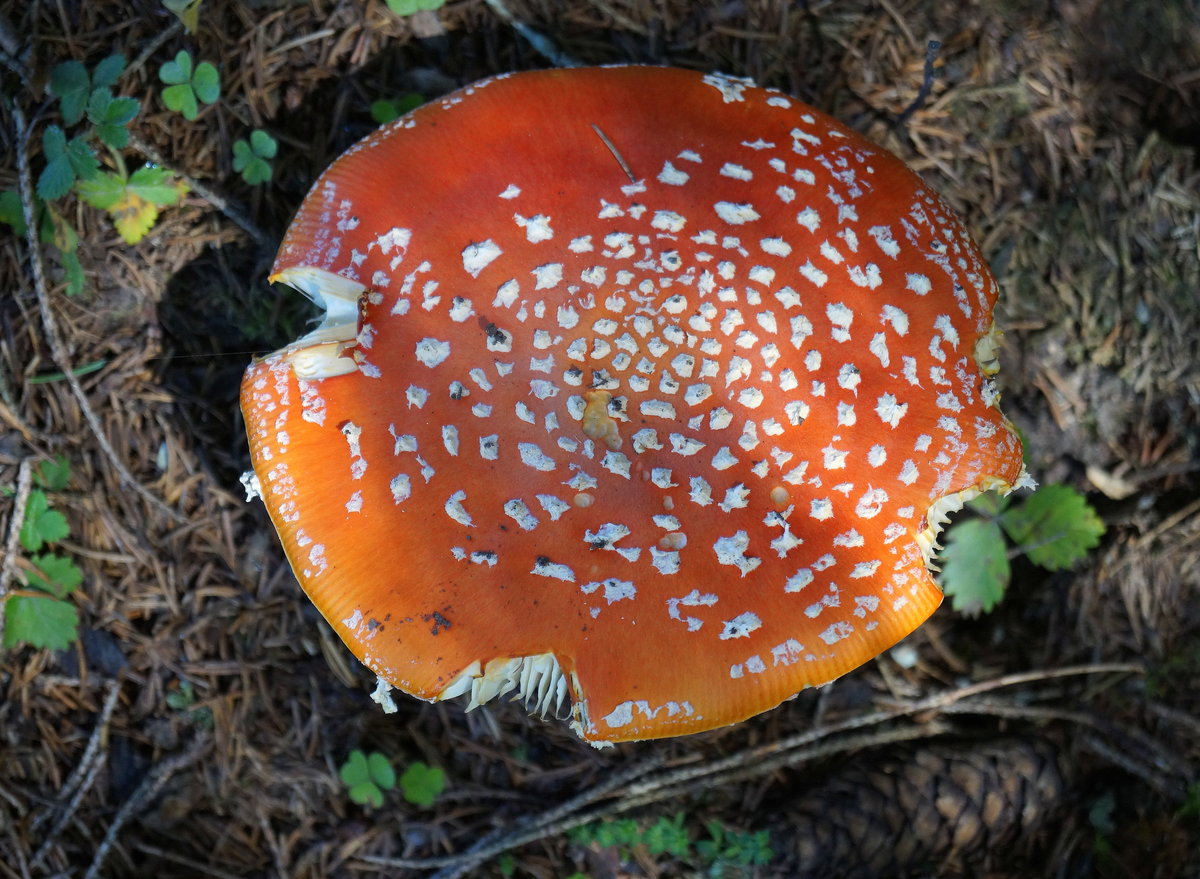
(197, 725)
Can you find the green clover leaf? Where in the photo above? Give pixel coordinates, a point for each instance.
(250, 158)
(188, 83)
(422, 784)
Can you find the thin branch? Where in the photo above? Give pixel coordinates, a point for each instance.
(84, 776)
(57, 351)
(150, 786)
(9, 564)
(643, 785)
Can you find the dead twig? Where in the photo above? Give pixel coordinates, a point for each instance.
(150, 785)
(24, 484)
(57, 350)
(643, 785)
(82, 778)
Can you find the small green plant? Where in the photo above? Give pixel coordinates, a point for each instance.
(132, 200)
(41, 615)
(367, 776)
(385, 111)
(421, 784)
(409, 7)
(725, 848)
(66, 162)
(1054, 527)
(75, 88)
(188, 83)
(183, 699)
(252, 159)
(724, 852)
(71, 163)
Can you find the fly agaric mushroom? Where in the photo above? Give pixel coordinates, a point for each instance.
(635, 387)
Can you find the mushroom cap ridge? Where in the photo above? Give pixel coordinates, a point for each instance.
(690, 436)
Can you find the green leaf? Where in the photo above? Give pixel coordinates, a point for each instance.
(250, 158)
(42, 525)
(73, 268)
(179, 71)
(69, 81)
(408, 7)
(110, 116)
(83, 158)
(57, 177)
(156, 185)
(55, 574)
(381, 771)
(384, 112)
(187, 83)
(103, 191)
(40, 621)
(242, 155)
(53, 475)
(65, 161)
(1055, 526)
(975, 569)
(367, 794)
(133, 204)
(184, 697)
(422, 784)
(181, 99)
(354, 771)
(108, 71)
(263, 144)
(12, 211)
(668, 836)
(207, 82)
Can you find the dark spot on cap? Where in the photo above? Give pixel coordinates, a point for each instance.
(439, 622)
(495, 334)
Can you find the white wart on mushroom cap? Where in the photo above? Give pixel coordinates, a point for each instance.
(674, 447)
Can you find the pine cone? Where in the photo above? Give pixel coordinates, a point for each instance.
(934, 807)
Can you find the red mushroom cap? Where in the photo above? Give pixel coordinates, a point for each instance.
(637, 386)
